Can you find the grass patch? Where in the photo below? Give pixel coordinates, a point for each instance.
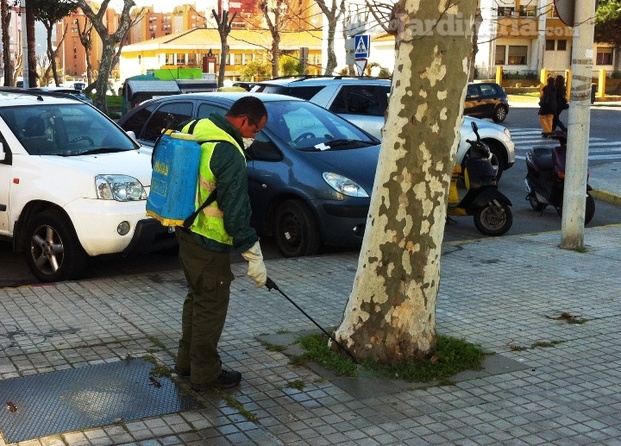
(451, 357)
(234, 403)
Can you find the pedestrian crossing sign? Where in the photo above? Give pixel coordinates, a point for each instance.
(361, 46)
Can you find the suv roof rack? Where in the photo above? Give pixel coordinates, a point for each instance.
(320, 76)
(39, 93)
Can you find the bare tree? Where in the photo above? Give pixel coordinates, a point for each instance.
(85, 34)
(333, 15)
(224, 29)
(390, 315)
(112, 43)
(49, 12)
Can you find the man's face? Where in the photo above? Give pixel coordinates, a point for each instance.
(249, 128)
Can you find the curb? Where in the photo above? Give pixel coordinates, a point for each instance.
(606, 196)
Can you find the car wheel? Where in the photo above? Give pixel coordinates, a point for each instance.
(54, 252)
(295, 229)
(497, 158)
(500, 113)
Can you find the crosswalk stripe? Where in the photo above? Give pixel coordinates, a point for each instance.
(526, 139)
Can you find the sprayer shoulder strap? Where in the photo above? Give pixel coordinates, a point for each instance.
(210, 199)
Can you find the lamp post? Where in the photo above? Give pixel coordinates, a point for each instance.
(578, 126)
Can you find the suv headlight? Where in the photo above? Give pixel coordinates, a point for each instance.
(344, 185)
(119, 188)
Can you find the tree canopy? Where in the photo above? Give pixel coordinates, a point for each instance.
(608, 22)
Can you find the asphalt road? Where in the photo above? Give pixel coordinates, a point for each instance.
(524, 125)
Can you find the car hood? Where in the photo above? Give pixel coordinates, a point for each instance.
(482, 124)
(134, 163)
(356, 164)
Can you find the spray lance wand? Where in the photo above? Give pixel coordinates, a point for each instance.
(271, 285)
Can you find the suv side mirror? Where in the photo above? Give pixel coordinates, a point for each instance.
(2, 152)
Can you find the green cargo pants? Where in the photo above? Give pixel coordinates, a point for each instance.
(209, 277)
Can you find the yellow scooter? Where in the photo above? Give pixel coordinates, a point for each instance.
(489, 207)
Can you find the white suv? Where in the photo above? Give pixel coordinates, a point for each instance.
(363, 101)
(72, 185)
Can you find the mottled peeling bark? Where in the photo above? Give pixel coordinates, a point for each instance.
(390, 316)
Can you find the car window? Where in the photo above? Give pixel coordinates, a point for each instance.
(263, 149)
(167, 116)
(303, 125)
(488, 90)
(304, 92)
(473, 90)
(204, 110)
(138, 119)
(68, 129)
(361, 100)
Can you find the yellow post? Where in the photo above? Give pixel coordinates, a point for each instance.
(499, 75)
(601, 84)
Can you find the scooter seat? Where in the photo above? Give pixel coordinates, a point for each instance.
(542, 157)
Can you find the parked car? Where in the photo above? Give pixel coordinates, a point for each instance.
(65, 91)
(486, 100)
(310, 172)
(363, 101)
(73, 184)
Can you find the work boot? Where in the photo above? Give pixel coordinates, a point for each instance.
(227, 379)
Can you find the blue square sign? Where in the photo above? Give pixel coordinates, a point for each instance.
(361, 46)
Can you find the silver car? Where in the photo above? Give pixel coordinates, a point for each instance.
(363, 102)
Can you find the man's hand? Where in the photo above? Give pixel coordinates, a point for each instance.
(256, 267)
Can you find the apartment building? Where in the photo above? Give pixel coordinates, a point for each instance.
(528, 36)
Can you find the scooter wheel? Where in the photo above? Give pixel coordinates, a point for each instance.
(493, 220)
(534, 203)
(589, 210)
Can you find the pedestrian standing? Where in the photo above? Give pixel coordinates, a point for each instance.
(221, 227)
(547, 107)
(561, 102)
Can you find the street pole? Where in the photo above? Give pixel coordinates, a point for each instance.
(25, 80)
(578, 127)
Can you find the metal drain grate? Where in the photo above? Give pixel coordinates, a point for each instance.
(68, 400)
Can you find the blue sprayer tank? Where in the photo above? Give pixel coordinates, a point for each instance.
(176, 159)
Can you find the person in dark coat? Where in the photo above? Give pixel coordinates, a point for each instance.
(547, 107)
(561, 102)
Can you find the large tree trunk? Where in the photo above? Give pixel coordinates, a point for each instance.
(390, 316)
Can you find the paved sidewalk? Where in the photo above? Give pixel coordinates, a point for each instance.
(560, 383)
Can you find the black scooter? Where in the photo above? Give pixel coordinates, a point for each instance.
(545, 178)
(488, 206)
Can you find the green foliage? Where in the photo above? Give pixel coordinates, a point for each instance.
(452, 356)
(608, 22)
(256, 71)
(520, 75)
(290, 66)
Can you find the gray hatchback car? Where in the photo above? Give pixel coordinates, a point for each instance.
(310, 172)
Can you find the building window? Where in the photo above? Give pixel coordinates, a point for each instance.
(604, 56)
(504, 11)
(549, 45)
(500, 55)
(561, 45)
(528, 11)
(517, 55)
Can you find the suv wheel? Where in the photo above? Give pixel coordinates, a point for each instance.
(54, 253)
(295, 230)
(500, 113)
